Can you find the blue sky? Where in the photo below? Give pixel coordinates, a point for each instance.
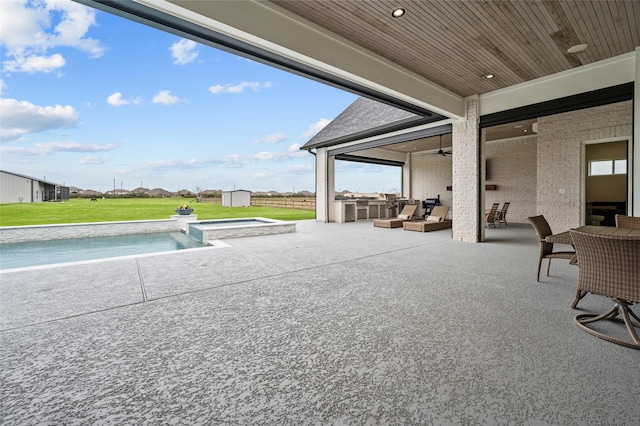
(88, 98)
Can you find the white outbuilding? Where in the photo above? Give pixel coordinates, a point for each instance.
(17, 188)
(236, 198)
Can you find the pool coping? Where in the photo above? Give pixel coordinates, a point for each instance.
(267, 227)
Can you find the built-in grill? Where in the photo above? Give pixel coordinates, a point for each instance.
(428, 205)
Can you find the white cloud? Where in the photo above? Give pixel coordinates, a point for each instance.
(35, 63)
(21, 117)
(49, 147)
(272, 138)
(3, 86)
(315, 128)
(117, 100)
(28, 29)
(92, 159)
(184, 51)
(165, 97)
(46, 148)
(240, 87)
(17, 150)
(295, 148)
(278, 156)
(228, 161)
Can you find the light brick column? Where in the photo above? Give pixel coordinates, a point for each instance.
(325, 186)
(406, 178)
(635, 189)
(467, 196)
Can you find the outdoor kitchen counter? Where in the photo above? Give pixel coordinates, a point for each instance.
(360, 209)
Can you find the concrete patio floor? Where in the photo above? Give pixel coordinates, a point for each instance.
(336, 324)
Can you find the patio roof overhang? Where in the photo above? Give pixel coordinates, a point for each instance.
(406, 68)
(265, 32)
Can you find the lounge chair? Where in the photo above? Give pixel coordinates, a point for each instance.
(406, 214)
(492, 215)
(502, 214)
(435, 221)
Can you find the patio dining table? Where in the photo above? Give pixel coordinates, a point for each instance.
(565, 237)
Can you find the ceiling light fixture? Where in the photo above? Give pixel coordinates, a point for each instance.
(577, 48)
(488, 76)
(398, 12)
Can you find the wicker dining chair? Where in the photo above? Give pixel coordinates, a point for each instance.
(543, 230)
(623, 221)
(610, 266)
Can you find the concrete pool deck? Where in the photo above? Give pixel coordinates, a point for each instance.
(332, 324)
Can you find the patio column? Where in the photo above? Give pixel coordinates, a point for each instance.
(325, 186)
(406, 189)
(635, 169)
(467, 186)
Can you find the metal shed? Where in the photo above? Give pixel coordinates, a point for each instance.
(18, 188)
(236, 198)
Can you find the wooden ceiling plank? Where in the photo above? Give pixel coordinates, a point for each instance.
(440, 63)
(616, 22)
(454, 42)
(594, 35)
(448, 62)
(491, 41)
(632, 9)
(574, 11)
(566, 35)
(538, 27)
(608, 32)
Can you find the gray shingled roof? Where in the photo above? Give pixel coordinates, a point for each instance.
(362, 117)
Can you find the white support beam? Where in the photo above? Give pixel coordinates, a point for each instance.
(599, 75)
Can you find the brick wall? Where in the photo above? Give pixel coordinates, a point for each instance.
(465, 172)
(430, 176)
(559, 152)
(511, 165)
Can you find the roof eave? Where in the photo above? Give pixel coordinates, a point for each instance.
(376, 131)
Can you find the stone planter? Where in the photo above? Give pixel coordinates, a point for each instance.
(184, 212)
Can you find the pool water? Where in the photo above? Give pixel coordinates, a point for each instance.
(33, 253)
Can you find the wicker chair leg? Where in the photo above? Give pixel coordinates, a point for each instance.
(579, 295)
(548, 266)
(631, 325)
(539, 266)
(621, 308)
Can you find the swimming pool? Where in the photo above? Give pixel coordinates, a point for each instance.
(235, 228)
(33, 253)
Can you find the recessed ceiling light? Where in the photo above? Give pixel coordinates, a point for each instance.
(489, 76)
(398, 12)
(577, 48)
(517, 126)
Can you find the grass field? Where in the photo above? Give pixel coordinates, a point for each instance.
(116, 209)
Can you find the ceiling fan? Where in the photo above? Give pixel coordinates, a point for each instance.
(441, 152)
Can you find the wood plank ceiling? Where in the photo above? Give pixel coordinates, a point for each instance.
(455, 43)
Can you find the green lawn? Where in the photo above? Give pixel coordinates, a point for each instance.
(108, 210)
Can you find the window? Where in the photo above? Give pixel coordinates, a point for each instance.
(619, 167)
(607, 167)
